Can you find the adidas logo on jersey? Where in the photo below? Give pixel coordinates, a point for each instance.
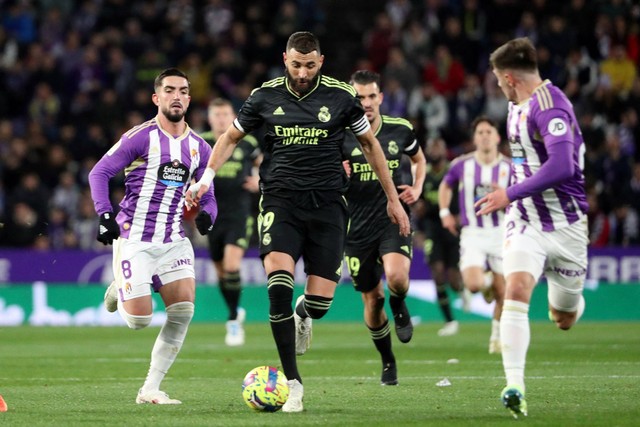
(278, 112)
(356, 152)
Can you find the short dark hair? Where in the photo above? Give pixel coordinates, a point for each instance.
(168, 73)
(304, 42)
(483, 119)
(220, 102)
(516, 54)
(364, 77)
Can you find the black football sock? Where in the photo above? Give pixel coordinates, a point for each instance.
(280, 289)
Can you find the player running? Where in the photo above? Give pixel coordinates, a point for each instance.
(374, 243)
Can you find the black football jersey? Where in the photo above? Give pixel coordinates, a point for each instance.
(232, 199)
(430, 193)
(303, 134)
(366, 198)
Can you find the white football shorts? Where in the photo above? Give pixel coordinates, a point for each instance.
(140, 266)
(481, 247)
(560, 254)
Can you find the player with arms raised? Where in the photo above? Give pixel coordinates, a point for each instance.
(546, 223)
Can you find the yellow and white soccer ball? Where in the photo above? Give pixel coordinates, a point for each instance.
(265, 389)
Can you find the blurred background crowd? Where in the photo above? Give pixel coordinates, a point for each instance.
(75, 75)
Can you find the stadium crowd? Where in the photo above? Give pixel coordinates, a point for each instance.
(74, 75)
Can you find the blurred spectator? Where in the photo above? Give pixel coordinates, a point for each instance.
(399, 69)
(394, 102)
(581, 23)
(558, 40)
(44, 107)
(432, 14)
(615, 167)
(20, 22)
(22, 227)
(618, 72)
(52, 29)
(378, 41)
(217, 19)
(460, 47)
(8, 49)
(474, 21)
(496, 105)
(599, 227)
(66, 195)
(470, 101)
(416, 43)
(398, 11)
(624, 224)
(226, 72)
(120, 72)
(579, 77)
(84, 20)
(57, 228)
(428, 110)
(286, 21)
(633, 192)
(444, 72)
(627, 131)
(84, 225)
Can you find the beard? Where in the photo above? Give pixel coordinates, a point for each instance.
(301, 87)
(171, 116)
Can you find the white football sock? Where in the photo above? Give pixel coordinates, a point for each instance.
(168, 344)
(580, 309)
(515, 336)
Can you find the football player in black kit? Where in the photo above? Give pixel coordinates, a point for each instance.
(374, 244)
(302, 210)
(229, 237)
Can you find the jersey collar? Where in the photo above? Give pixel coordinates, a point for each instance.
(187, 129)
(286, 80)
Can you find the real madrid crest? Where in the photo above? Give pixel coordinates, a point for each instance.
(324, 115)
(393, 148)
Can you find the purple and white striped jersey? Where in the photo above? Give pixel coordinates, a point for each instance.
(158, 170)
(534, 127)
(474, 180)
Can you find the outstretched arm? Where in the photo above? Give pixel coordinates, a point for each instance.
(222, 150)
(375, 156)
(556, 169)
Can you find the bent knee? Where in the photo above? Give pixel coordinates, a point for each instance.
(136, 322)
(374, 301)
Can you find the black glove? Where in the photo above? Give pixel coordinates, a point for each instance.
(108, 229)
(204, 223)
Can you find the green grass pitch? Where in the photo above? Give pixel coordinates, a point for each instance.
(589, 376)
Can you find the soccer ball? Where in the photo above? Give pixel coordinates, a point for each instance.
(265, 389)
